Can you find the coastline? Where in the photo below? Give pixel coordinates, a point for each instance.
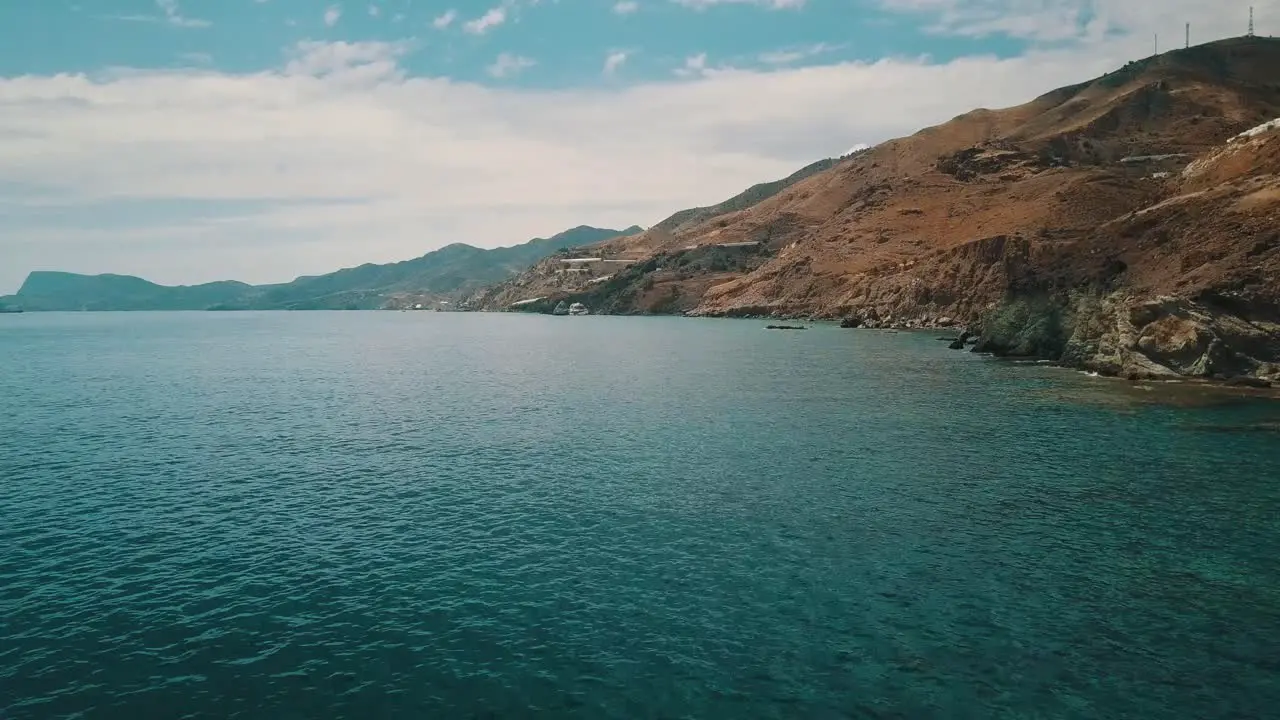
(1239, 386)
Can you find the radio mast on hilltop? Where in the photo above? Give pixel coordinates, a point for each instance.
(1188, 35)
(1250, 21)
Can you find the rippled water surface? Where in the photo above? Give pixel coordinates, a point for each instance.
(369, 515)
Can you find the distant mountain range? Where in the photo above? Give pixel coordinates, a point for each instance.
(451, 271)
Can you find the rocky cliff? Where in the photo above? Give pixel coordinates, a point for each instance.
(1124, 224)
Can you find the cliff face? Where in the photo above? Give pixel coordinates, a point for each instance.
(1115, 224)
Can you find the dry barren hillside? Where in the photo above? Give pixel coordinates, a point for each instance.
(1119, 224)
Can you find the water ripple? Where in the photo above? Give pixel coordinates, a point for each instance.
(407, 515)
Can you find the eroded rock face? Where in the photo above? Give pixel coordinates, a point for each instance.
(1171, 336)
(1179, 343)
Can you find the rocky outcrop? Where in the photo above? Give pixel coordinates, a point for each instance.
(1119, 335)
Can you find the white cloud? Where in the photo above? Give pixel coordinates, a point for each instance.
(491, 19)
(332, 15)
(788, 56)
(353, 60)
(374, 11)
(507, 65)
(170, 13)
(339, 157)
(626, 7)
(858, 147)
(771, 4)
(444, 20)
(694, 65)
(1061, 20)
(615, 60)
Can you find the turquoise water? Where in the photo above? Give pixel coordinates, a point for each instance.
(369, 515)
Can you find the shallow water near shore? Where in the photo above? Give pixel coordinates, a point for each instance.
(277, 515)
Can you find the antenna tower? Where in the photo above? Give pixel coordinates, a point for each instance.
(1188, 35)
(1250, 22)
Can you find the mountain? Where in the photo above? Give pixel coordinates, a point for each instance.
(439, 274)
(743, 200)
(548, 276)
(1114, 225)
(45, 290)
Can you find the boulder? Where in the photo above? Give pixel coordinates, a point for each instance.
(957, 345)
(1179, 343)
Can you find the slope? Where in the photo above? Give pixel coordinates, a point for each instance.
(549, 279)
(446, 272)
(1043, 224)
(44, 290)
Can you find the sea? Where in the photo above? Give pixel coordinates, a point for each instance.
(455, 515)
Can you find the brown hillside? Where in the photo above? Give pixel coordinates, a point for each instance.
(1126, 184)
(1051, 171)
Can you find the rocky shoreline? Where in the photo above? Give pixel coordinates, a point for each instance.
(1115, 335)
(1163, 338)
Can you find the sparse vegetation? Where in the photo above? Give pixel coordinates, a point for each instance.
(1027, 327)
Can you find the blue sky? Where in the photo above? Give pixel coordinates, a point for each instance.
(193, 140)
(568, 39)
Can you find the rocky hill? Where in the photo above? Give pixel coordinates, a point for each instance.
(446, 273)
(1114, 224)
(44, 290)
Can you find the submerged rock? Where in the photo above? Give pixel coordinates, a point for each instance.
(1246, 381)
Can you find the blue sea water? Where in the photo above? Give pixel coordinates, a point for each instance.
(437, 515)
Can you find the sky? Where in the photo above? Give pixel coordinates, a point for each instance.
(187, 141)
